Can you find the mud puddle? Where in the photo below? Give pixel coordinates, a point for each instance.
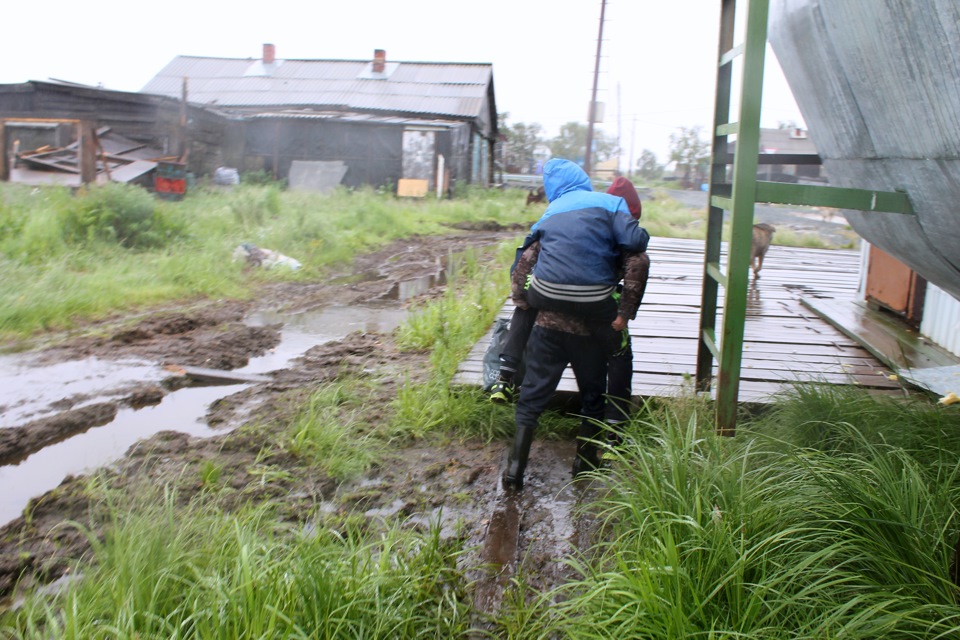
(532, 533)
(301, 331)
(46, 469)
(29, 391)
(35, 392)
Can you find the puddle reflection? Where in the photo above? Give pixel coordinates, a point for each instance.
(304, 330)
(28, 392)
(44, 470)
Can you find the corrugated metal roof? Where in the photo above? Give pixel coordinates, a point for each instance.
(450, 89)
(356, 117)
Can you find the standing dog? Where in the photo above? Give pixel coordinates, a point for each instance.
(762, 235)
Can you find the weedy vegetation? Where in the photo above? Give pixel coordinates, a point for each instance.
(776, 533)
(833, 515)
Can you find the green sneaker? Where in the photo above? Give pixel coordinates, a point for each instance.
(503, 392)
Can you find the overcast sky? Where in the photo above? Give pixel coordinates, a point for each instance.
(656, 71)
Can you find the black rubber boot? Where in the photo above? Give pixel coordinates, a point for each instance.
(517, 457)
(588, 456)
(615, 432)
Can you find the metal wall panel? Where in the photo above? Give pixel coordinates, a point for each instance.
(876, 82)
(941, 319)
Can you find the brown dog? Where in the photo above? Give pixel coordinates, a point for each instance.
(536, 196)
(762, 235)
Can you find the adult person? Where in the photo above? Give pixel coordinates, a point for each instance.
(635, 272)
(573, 275)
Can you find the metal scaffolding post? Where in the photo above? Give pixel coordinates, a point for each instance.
(739, 198)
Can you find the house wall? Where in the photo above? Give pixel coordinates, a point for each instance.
(941, 319)
(458, 157)
(372, 152)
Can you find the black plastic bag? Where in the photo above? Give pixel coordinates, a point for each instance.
(491, 358)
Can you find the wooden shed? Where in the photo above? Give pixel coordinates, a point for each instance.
(29, 112)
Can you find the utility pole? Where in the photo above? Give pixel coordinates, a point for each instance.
(633, 139)
(587, 157)
(619, 129)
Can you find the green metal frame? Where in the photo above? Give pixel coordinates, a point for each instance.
(739, 199)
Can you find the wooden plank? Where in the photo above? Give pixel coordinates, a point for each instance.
(779, 375)
(786, 342)
(412, 188)
(886, 340)
(215, 376)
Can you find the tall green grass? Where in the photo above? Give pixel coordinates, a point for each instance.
(330, 434)
(760, 537)
(169, 571)
(66, 258)
(667, 218)
(448, 327)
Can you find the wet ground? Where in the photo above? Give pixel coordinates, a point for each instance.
(154, 398)
(825, 223)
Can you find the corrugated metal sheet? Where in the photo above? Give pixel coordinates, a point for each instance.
(357, 117)
(877, 84)
(941, 319)
(458, 90)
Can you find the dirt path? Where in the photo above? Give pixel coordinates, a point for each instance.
(452, 480)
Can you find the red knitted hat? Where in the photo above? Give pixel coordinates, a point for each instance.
(625, 189)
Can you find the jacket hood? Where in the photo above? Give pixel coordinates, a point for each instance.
(562, 176)
(625, 189)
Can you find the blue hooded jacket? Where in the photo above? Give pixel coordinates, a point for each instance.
(582, 232)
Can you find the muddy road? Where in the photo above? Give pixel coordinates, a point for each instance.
(152, 399)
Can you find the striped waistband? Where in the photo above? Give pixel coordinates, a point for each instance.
(572, 292)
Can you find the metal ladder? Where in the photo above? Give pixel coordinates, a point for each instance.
(739, 197)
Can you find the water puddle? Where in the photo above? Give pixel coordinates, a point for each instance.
(411, 288)
(44, 470)
(304, 330)
(29, 392)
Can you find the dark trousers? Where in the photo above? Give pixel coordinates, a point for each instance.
(619, 370)
(619, 384)
(597, 315)
(547, 355)
(521, 324)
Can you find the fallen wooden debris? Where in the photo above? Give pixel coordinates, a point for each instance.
(215, 376)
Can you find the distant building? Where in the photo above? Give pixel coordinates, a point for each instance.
(789, 141)
(377, 122)
(607, 170)
(42, 121)
(383, 120)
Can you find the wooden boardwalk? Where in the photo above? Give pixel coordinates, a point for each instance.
(785, 342)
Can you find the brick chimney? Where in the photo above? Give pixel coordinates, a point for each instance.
(269, 54)
(379, 60)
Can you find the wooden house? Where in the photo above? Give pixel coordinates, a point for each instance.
(382, 121)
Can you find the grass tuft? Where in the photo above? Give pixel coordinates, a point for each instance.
(758, 536)
(169, 571)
